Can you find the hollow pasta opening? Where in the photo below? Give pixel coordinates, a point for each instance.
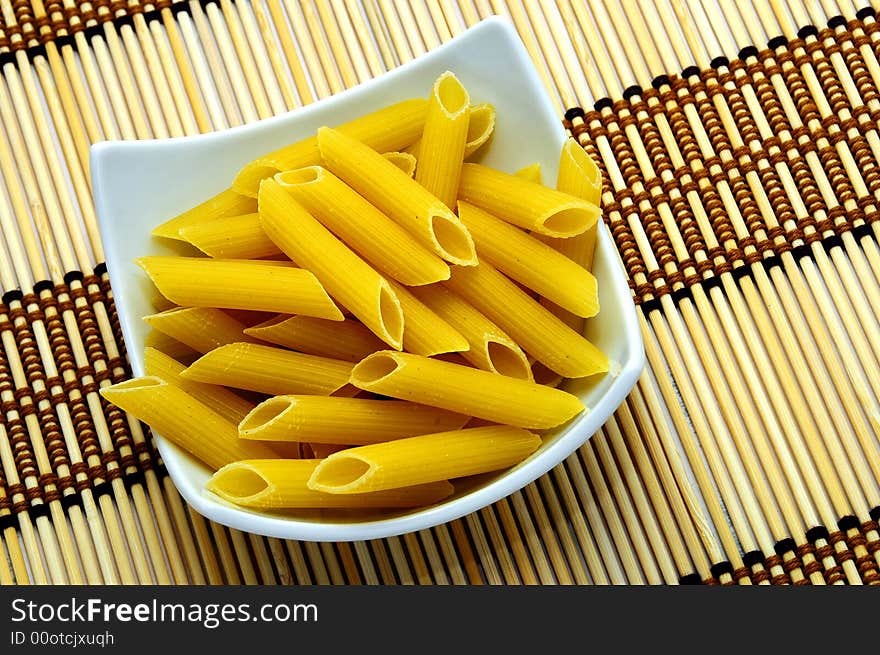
(480, 125)
(451, 94)
(263, 414)
(453, 238)
(374, 368)
(507, 361)
(338, 472)
(403, 160)
(304, 175)
(569, 221)
(391, 314)
(238, 482)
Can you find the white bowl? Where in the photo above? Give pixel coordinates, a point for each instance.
(140, 184)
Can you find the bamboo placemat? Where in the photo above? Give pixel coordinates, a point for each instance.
(741, 161)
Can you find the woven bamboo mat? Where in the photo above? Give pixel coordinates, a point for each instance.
(741, 158)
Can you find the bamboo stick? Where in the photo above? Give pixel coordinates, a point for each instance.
(401, 565)
(463, 546)
(420, 568)
(298, 560)
(450, 556)
(543, 544)
(432, 555)
(525, 567)
(331, 563)
(317, 562)
(500, 546)
(349, 563)
(366, 561)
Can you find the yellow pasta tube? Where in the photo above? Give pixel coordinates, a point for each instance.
(240, 284)
(403, 160)
(526, 204)
(481, 126)
(426, 333)
(282, 484)
(464, 390)
(348, 278)
(269, 370)
(391, 128)
(402, 199)
(183, 420)
(233, 237)
(443, 140)
(532, 173)
(531, 325)
(393, 251)
(531, 262)
(580, 176)
(225, 203)
(332, 420)
(491, 349)
(348, 340)
(424, 459)
(200, 328)
(229, 405)
(168, 345)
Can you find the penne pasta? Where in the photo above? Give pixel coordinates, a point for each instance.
(526, 204)
(269, 370)
(443, 140)
(240, 284)
(531, 262)
(402, 199)
(532, 173)
(424, 459)
(540, 333)
(391, 128)
(283, 484)
(229, 405)
(464, 390)
(580, 176)
(426, 333)
(481, 126)
(347, 340)
(354, 421)
(491, 349)
(168, 345)
(200, 328)
(184, 421)
(226, 203)
(233, 237)
(403, 160)
(393, 251)
(348, 278)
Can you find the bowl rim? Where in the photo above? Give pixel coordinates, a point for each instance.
(456, 507)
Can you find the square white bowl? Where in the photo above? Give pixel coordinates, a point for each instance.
(139, 184)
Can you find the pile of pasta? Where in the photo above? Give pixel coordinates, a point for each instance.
(375, 316)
